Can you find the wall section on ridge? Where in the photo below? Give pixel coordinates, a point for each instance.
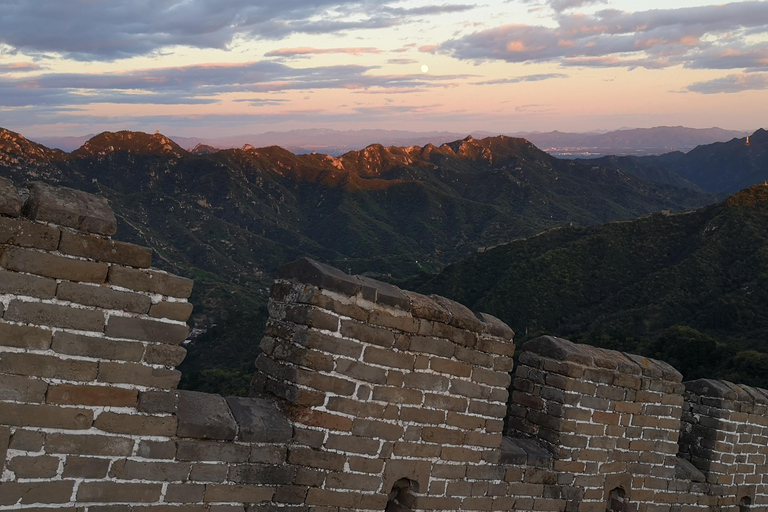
(365, 397)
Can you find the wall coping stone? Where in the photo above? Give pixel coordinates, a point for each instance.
(259, 420)
(10, 200)
(727, 390)
(71, 208)
(563, 350)
(685, 470)
(204, 416)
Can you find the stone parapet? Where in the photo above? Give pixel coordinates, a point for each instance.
(365, 397)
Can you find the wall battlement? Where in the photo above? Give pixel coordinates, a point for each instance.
(365, 397)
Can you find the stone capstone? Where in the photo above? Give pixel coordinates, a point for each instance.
(204, 416)
(71, 208)
(259, 420)
(10, 200)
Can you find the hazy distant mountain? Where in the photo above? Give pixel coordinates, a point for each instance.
(230, 217)
(642, 141)
(718, 168)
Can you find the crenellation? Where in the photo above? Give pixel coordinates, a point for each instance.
(365, 397)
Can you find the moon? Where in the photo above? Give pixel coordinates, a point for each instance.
(424, 68)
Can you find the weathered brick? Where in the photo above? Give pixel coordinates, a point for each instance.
(56, 316)
(261, 474)
(445, 402)
(28, 234)
(179, 311)
(367, 333)
(146, 330)
(119, 423)
(442, 435)
(24, 336)
(25, 415)
(352, 482)
(88, 444)
(389, 358)
(238, 493)
(397, 395)
(361, 371)
(434, 346)
(184, 493)
(50, 265)
(38, 365)
(12, 493)
(157, 449)
(132, 373)
(105, 249)
(103, 297)
(405, 323)
(24, 284)
(154, 471)
(353, 444)
(43, 466)
(312, 317)
(68, 394)
(319, 341)
(153, 281)
(331, 498)
(27, 440)
(421, 415)
(208, 472)
(10, 200)
(426, 381)
(85, 467)
(316, 459)
(212, 451)
(166, 355)
(377, 429)
(117, 492)
(204, 416)
(100, 348)
(269, 454)
(70, 207)
(450, 367)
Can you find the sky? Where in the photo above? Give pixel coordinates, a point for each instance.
(209, 68)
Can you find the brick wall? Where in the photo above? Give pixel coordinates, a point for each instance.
(365, 397)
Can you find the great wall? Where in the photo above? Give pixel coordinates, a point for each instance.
(365, 397)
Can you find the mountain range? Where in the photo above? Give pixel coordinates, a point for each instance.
(639, 141)
(229, 218)
(689, 288)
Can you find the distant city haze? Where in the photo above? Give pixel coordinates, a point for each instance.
(211, 70)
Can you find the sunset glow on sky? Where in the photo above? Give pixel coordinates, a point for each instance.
(216, 67)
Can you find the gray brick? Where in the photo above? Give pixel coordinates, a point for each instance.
(22, 389)
(24, 336)
(23, 284)
(173, 310)
(100, 348)
(10, 200)
(139, 374)
(104, 249)
(45, 366)
(28, 234)
(166, 355)
(146, 330)
(152, 281)
(259, 420)
(50, 265)
(103, 297)
(69, 207)
(55, 316)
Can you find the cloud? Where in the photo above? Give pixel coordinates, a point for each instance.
(526, 78)
(712, 36)
(402, 61)
(106, 30)
(428, 48)
(305, 51)
(732, 84)
(200, 84)
(19, 67)
(564, 5)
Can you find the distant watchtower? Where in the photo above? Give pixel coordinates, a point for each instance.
(748, 140)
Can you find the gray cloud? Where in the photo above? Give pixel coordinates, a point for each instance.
(713, 36)
(306, 51)
(199, 84)
(526, 78)
(105, 30)
(732, 84)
